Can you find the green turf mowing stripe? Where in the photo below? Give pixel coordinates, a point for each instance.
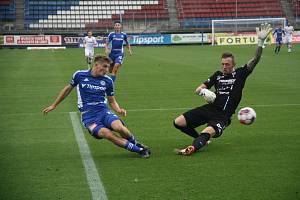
(93, 178)
(167, 109)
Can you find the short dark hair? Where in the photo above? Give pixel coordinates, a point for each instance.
(102, 59)
(228, 55)
(117, 22)
(89, 31)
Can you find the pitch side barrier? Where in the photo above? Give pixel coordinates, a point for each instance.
(148, 39)
(22, 41)
(248, 38)
(168, 39)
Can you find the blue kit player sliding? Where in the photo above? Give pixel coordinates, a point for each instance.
(93, 86)
(116, 53)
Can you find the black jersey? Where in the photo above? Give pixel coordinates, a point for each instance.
(228, 88)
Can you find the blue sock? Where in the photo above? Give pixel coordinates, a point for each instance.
(132, 139)
(131, 147)
(113, 77)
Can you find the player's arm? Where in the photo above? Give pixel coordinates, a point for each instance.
(128, 45)
(62, 95)
(115, 106)
(262, 33)
(253, 62)
(84, 43)
(95, 42)
(200, 88)
(106, 45)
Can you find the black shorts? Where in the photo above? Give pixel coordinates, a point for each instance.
(207, 114)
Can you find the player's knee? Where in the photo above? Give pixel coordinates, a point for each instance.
(105, 133)
(118, 126)
(214, 130)
(176, 125)
(180, 121)
(95, 131)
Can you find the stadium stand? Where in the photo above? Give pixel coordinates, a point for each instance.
(66, 14)
(137, 15)
(197, 12)
(7, 11)
(295, 5)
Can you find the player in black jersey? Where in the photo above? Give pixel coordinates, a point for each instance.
(229, 84)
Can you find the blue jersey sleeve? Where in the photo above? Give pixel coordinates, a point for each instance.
(125, 38)
(75, 79)
(110, 37)
(110, 88)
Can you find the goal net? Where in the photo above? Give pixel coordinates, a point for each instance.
(238, 26)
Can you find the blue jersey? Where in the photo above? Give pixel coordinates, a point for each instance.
(278, 32)
(92, 91)
(117, 41)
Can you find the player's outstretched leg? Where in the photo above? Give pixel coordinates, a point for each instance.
(89, 62)
(180, 123)
(279, 47)
(114, 71)
(198, 143)
(276, 49)
(118, 126)
(289, 47)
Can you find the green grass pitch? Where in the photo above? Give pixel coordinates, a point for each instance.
(40, 159)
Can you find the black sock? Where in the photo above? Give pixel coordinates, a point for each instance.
(201, 141)
(279, 48)
(189, 131)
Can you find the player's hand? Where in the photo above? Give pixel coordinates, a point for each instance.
(122, 112)
(263, 32)
(208, 95)
(48, 109)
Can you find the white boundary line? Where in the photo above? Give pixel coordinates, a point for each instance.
(162, 109)
(93, 178)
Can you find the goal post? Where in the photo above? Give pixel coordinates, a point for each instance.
(242, 25)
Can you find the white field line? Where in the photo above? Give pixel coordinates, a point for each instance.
(159, 109)
(93, 178)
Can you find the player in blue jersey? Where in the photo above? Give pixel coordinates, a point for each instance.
(93, 86)
(116, 52)
(278, 34)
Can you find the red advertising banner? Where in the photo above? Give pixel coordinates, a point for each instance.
(16, 40)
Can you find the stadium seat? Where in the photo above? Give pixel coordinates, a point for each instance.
(92, 13)
(7, 11)
(188, 10)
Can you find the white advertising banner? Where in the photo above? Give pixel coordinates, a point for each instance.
(16, 40)
(189, 38)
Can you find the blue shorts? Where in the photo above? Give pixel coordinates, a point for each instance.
(101, 119)
(116, 57)
(278, 40)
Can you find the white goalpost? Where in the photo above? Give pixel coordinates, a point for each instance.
(242, 25)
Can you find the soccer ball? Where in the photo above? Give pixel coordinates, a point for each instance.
(246, 116)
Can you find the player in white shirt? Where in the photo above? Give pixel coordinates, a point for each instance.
(89, 43)
(289, 29)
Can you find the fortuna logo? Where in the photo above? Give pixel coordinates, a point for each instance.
(93, 87)
(86, 79)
